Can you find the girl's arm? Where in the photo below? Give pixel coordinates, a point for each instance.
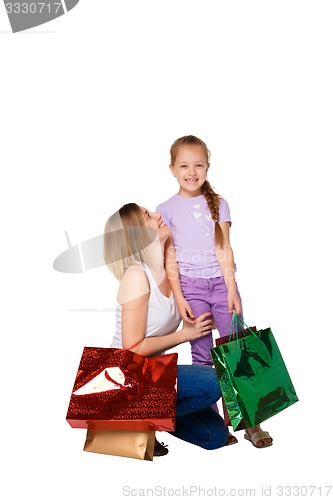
(134, 318)
(171, 266)
(225, 257)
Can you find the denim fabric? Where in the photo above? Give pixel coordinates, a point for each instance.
(196, 421)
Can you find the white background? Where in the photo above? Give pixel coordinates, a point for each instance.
(90, 104)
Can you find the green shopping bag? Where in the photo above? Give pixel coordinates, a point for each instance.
(254, 380)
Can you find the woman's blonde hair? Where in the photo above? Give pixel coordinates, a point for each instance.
(126, 238)
(213, 199)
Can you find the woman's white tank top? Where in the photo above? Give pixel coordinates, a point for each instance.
(162, 316)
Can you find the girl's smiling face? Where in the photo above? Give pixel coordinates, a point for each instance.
(190, 169)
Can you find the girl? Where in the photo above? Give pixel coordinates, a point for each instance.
(199, 258)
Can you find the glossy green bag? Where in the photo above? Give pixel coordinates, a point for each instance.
(254, 380)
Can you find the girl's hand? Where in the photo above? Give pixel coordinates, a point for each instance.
(202, 326)
(185, 311)
(234, 303)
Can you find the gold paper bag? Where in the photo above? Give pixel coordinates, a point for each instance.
(131, 444)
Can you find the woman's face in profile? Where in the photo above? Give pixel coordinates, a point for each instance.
(154, 220)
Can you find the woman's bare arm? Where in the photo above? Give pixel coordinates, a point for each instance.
(134, 286)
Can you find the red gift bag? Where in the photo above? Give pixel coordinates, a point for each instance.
(120, 389)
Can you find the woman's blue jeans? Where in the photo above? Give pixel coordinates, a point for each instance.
(196, 422)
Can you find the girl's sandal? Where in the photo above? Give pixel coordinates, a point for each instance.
(259, 436)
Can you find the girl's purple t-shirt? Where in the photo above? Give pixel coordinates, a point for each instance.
(193, 232)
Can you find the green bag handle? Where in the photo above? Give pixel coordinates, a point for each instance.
(242, 323)
(236, 322)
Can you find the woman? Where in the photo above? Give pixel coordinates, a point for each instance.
(147, 318)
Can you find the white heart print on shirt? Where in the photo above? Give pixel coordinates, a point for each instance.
(197, 214)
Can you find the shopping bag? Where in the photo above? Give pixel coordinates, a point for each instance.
(254, 380)
(120, 389)
(224, 340)
(131, 444)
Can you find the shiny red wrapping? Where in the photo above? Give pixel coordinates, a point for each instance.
(145, 400)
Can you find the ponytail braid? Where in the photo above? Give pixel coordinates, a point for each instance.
(213, 201)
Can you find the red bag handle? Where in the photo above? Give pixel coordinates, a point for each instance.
(134, 345)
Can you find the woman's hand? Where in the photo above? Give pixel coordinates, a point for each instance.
(202, 326)
(185, 311)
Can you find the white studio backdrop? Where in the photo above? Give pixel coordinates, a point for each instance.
(90, 104)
